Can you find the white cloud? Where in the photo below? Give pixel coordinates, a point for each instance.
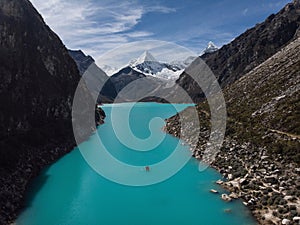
(96, 26)
(161, 9)
(139, 34)
(245, 11)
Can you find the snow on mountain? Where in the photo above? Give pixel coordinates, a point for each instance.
(211, 47)
(148, 65)
(109, 70)
(168, 74)
(183, 64)
(145, 57)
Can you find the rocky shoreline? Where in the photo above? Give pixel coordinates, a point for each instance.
(260, 156)
(15, 183)
(268, 186)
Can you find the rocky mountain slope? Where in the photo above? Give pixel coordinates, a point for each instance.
(39, 79)
(251, 48)
(95, 78)
(261, 153)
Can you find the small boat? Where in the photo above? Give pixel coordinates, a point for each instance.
(213, 191)
(147, 168)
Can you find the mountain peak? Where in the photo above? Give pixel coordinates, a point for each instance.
(145, 57)
(211, 47)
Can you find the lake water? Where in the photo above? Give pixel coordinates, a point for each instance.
(69, 192)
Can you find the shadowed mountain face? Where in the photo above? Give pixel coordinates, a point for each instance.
(38, 81)
(95, 78)
(82, 61)
(38, 76)
(249, 49)
(126, 75)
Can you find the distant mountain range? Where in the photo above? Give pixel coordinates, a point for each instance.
(158, 76)
(149, 66)
(145, 66)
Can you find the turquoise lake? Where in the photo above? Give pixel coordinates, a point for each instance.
(70, 192)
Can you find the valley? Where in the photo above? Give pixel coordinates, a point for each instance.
(147, 125)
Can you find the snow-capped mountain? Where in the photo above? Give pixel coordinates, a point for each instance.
(158, 77)
(211, 47)
(148, 65)
(145, 57)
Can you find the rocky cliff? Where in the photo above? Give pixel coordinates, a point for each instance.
(250, 49)
(39, 79)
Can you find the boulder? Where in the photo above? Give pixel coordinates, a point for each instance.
(285, 221)
(233, 195)
(226, 198)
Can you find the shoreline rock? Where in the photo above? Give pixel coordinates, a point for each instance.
(226, 198)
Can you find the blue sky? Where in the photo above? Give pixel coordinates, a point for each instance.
(97, 26)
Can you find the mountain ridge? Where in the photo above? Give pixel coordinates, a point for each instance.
(249, 49)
